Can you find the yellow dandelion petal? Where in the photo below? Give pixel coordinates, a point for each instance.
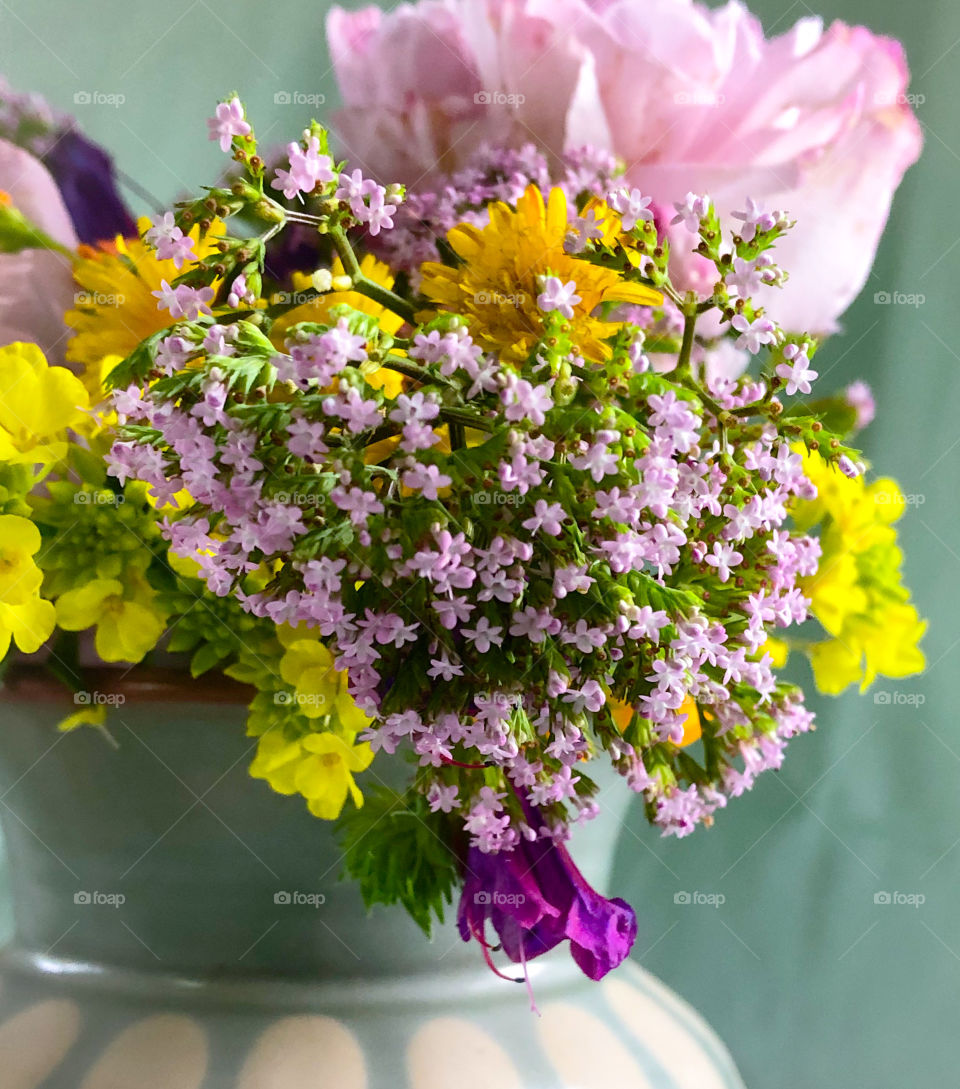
(498, 284)
(115, 309)
(318, 309)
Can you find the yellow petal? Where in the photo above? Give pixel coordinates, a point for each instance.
(18, 534)
(20, 578)
(628, 292)
(30, 624)
(276, 761)
(835, 665)
(128, 632)
(86, 716)
(82, 608)
(779, 651)
(21, 355)
(349, 715)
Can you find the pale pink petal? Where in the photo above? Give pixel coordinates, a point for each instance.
(34, 192)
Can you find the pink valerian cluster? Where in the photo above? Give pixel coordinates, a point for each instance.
(311, 169)
(308, 169)
(553, 582)
(599, 541)
(169, 241)
(493, 174)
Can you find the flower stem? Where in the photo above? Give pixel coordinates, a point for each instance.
(363, 284)
(686, 348)
(411, 370)
(458, 438)
(464, 419)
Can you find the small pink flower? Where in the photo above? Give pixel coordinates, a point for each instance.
(183, 301)
(690, 211)
(227, 123)
(557, 295)
(797, 373)
(169, 241)
(754, 334)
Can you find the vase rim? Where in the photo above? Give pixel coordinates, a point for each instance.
(269, 990)
(30, 683)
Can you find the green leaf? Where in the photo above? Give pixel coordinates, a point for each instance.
(399, 853)
(137, 365)
(205, 658)
(837, 415)
(183, 639)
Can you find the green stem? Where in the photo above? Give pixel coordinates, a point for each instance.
(365, 286)
(411, 370)
(671, 292)
(458, 438)
(686, 348)
(459, 417)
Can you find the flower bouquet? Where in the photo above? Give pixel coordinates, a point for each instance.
(493, 460)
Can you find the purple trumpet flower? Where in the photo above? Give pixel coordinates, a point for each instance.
(535, 897)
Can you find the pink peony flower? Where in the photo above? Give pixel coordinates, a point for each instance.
(814, 122)
(36, 286)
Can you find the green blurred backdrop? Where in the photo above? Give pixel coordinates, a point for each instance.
(811, 980)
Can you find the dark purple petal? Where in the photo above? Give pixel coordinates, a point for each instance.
(84, 174)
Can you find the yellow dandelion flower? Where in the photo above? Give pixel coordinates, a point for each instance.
(498, 284)
(318, 310)
(115, 308)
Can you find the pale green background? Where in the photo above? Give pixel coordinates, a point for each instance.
(812, 984)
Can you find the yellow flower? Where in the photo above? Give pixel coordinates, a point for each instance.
(320, 689)
(778, 650)
(37, 405)
(499, 282)
(835, 592)
(857, 593)
(20, 577)
(318, 766)
(128, 625)
(692, 727)
(116, 309)
(29, 625)
(318, 310)
(856, 513)
(835, 665)
(86, 716)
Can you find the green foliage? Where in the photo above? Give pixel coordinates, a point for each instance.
(94, 533)
(397, 850)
